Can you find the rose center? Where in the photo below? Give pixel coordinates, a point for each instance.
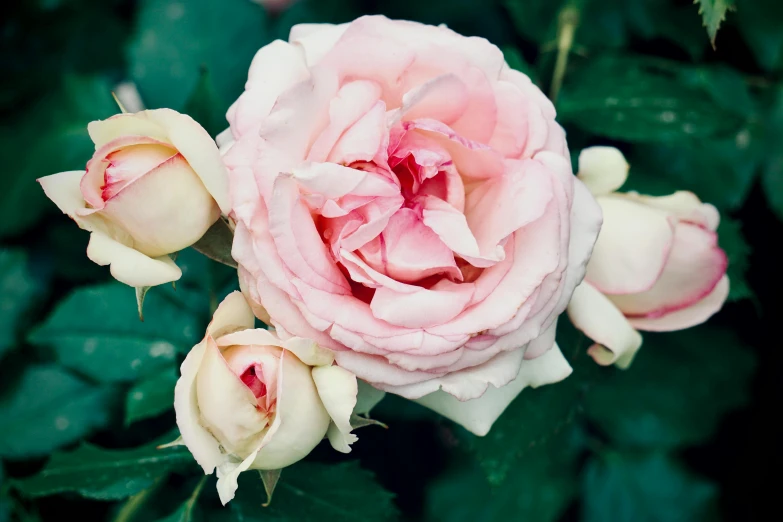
(250, 378)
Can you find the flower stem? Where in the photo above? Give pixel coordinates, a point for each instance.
(567, 22)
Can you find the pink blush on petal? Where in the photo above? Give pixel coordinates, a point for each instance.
(250, 379)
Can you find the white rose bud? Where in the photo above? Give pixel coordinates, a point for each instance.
(154, 186)
(249, 400)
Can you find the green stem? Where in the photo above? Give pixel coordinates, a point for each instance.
(191, 502)
(567, 22)
(128, 510)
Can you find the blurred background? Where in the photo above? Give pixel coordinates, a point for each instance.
(686, 434)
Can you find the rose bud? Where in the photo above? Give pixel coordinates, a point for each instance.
(154, 186)
(656, 265)
(248, 400)
(405, 198)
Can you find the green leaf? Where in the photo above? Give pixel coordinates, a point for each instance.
(731, 240)
(626, 487)
(96, 331)
(720, 172)
(48, 408)
(676, 391)
(151, 396)
(18, 291)
(535, 19)
(216, 243)
(713, 13)
(175, 39)
(536, 416)
(104, 474)
(772, 183)
(183, 514)
(626, 99)
(50, 138)
(759, 21)
(309, 492)
(539, 490)
(204, 105)
(516, 61)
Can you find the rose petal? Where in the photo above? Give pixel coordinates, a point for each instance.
(479, 414)
(130, 266)
(632, 248)
(692, 315)
(338, 390)
(594, 314)
(695, 266)
(602, 169)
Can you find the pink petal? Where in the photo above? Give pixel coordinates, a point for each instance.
(409, 251)
(692, 315)
(695, 266)
(632, 248)
(298, 241)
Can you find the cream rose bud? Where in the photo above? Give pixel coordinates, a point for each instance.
(248, 400)
(154, 186)
(656, 265)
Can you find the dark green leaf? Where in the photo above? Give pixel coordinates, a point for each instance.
(105, 474)
(539, 489)
(18, 290)
(49, 408)
(183, 514)
(733, 242)
(315, 492)
(151, 396)
(760, 22)
(174, 39)
(720, 172)
(713, 12)
(535, 19)
(772, 182)
(536, 416)
(516, 61)
(623, 98)
(204, 105)
(96, 330)
(216, 244)
(624, 487)
(676, 391)
(50, 138)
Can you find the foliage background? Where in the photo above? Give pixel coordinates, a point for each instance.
(687, 434)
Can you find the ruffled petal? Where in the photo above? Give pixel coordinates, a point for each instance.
(130, 266)
(338, 390)
(594, 314)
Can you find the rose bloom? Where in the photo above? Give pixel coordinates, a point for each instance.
(406, 199)
(248, 400)
(656, 265)
(154, 186)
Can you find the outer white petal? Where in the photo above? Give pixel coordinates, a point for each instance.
(228, 476)
(193, 142)
(130, 266)
(303, 420)
(233, 314)
(594, 314)
(309, 352)
(602, 169)
(338, 390)
(478, 415)
(203, 446)
(227, 407)
(63, 189)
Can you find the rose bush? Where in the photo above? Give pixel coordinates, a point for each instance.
(153, 187)
(406, 199)
(248, 400)
(656, 265)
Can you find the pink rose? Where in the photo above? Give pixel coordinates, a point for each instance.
(153, 187)
(406, 199)
(656, 265)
